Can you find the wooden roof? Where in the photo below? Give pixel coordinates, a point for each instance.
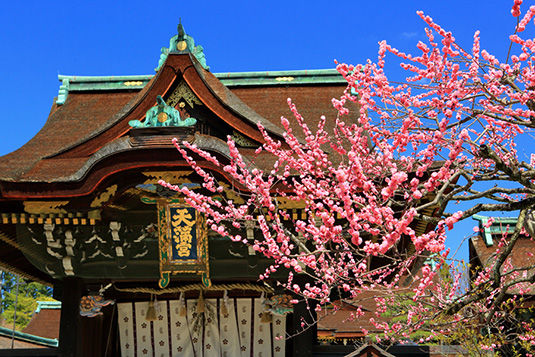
(483, 247)
(79, 133)
(87, 142)
(45, 321)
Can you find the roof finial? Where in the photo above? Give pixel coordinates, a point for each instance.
(181, 32)
(182, 43)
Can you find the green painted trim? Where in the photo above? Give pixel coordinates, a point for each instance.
(508, 220)
(313, 76)
(63, 92)
(430, 261)
(229, 79)
(301, 72)
(47, 305)
(96, 83)
(81, 79)
(495, 227)
(4, 331)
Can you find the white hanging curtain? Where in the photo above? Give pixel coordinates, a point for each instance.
(228, 330)
(208, 334)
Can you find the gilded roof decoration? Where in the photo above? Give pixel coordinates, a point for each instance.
(231, 193)
(104, 196)
(162, 115)
(38, 207)
(152, 186)
(133, 83)
(49, 218)
(156, 189)
(182, 91)
(182, 43)
(172, 177)
(243, 141)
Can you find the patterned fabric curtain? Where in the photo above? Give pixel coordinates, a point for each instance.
(240, 332)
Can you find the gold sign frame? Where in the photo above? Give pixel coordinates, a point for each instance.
(183, 242)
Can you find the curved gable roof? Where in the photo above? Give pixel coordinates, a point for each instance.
(90, 120)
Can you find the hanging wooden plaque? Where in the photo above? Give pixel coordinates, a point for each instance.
(183, 242)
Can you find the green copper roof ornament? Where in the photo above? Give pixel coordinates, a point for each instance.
(182, 43)
(162, 115)
(63, 92)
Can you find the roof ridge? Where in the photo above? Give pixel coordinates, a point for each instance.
(51, 342)
(72, 83)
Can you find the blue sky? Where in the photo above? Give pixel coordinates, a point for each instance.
(41, 39)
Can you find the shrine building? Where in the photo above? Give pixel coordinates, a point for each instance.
(136, 269)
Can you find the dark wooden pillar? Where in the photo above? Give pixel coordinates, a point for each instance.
(100, 333)
(70, 343)
(305, 337)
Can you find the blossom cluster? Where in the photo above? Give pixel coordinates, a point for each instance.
(373, 192)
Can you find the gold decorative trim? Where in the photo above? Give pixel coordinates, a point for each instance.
(133, 83)
(94, 214)
(181, 45)
(104, 197)
(231, 194)
(284, 79)
(182, 91)
(172, 177)
(162, 117)
(51, 218)
(39, 207)
(242, 140)
(288, 203)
